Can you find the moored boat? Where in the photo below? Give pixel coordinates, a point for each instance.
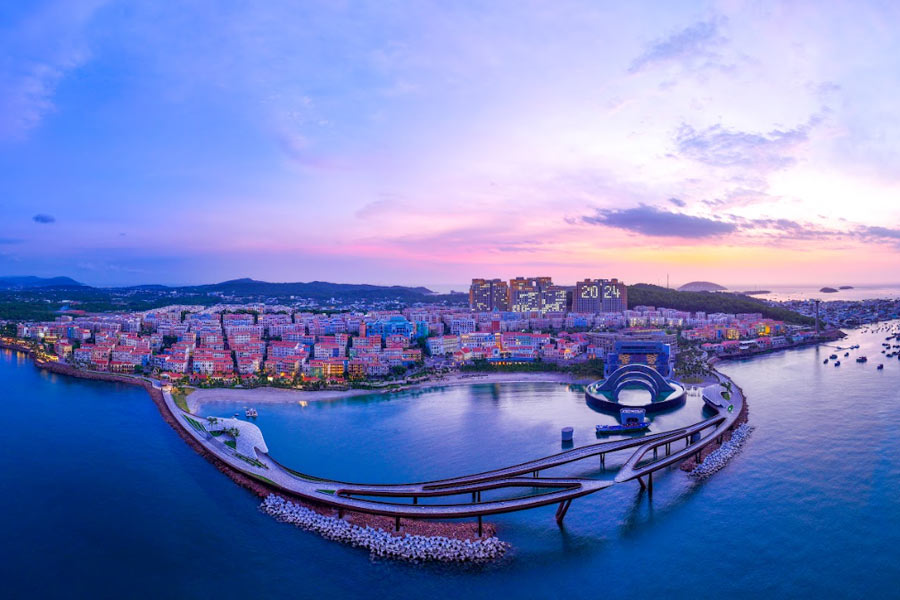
(608, 429)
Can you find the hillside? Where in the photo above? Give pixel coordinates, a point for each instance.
(29, 281)
(317, 290)
(710, 302)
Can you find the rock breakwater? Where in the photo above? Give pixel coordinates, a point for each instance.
(718, 458)
(382, 544)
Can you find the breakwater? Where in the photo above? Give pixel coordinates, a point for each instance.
(718, 458)
(380, 543)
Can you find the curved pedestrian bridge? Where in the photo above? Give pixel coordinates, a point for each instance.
(240, 444)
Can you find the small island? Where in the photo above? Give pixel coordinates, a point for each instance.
(702, 286)
(828, 290)
(846, 287)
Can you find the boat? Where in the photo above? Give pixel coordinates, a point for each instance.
(837, 363)
(833, 357)
(251, 413)
(880, 367)
(631, 419)
(846, 354)
(861, 359)
(608, 429)
(825, 361)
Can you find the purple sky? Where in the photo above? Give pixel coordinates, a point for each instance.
(428, 143)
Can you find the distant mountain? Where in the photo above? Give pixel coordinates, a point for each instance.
(29, 281)
(701, 286)
(318, 290)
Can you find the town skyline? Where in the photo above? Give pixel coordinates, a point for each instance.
(420, 145)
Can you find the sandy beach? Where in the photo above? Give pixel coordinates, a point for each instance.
(270, 395)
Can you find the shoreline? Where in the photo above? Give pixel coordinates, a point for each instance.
(743, 417)
(201, 397)
(752, 353)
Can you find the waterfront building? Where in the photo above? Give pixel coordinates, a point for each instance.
(651, 353)
(444, 344)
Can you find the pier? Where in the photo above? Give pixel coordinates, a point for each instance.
(648, 454)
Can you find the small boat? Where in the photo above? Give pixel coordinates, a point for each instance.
(861, 359)
(608, 429)
(833, 356)
(846, 354)
(837, 363)
(825, 361)
(880, 367)
(251, 413)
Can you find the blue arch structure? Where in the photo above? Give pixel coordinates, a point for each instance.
(666, 394)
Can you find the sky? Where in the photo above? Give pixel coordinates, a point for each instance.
(431, 142)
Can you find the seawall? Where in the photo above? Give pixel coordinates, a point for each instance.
(743, 416)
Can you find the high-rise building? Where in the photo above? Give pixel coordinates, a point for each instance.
(615, 296)
(600, 295)
(525, 293)
(480, 295)
(499, 295)
(556, 298)
(588, 296)
(487, 295)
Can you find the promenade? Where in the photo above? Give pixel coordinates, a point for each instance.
(401, 501)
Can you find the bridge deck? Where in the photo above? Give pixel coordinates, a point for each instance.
(358, 497)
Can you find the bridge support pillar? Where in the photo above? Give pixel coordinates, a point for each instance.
(415, 499)
(397, 524)
(641, 481)
(340, 513)
(654, 453)
(603, 461)
(480, 526)
(562, 510)
(650, 484)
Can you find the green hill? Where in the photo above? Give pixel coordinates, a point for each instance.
(643, 294)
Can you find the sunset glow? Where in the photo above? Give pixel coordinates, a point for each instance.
(429, 143)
